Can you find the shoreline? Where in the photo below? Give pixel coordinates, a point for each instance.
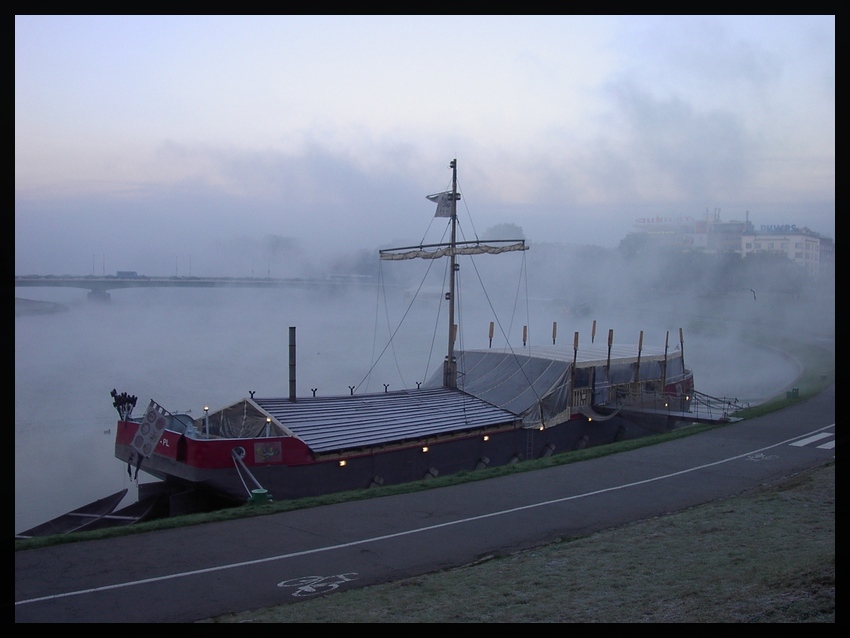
(32, 307)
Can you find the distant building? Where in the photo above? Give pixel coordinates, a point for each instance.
(804, 247)
(812, 251)
(689, 233)
(683, 232)
(725, 237)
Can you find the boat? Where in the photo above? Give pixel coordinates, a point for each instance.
(154, 501)
(81, 519)
(483, 408)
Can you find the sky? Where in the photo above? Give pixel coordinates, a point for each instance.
(265, 145)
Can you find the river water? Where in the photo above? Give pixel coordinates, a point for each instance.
(187, 348)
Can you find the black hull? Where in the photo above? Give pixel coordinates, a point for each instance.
(404, 464)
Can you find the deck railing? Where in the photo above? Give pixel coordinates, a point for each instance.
(701, 406)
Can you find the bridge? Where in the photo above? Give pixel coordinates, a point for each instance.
(98, 287)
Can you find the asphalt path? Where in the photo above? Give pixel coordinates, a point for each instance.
(194, 573)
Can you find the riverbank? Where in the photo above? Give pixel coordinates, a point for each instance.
(33, 307)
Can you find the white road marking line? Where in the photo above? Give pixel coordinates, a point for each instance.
(811, 439)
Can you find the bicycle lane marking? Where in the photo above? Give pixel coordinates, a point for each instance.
(312, 585)
(374, 539)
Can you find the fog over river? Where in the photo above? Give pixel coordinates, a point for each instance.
(186, 348)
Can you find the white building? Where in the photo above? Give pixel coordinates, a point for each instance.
(801, 245)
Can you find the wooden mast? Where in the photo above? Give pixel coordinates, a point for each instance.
(450, 365)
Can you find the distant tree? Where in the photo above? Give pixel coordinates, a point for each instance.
(771, 272)
(503, 231)
(362, 263)
(724, 272)
(280, 255)
(633, 245)
(274, 245)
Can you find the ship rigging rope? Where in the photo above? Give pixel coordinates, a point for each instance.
(391, 342)
(458, 288)
(523, 275)
(477, 248)
(239, 463)
(588, 411)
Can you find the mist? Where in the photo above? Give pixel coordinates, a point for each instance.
(187, 348)
(287, 215)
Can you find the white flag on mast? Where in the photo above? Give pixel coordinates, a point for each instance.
(444, 204)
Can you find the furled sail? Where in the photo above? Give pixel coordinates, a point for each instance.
(434, 251)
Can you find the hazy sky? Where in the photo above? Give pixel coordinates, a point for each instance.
(230, 145)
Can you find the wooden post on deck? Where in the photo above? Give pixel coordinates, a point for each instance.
(637, 365)
(292, 363)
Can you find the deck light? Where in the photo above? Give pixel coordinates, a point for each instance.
(342, 463)
(424, 448)
(486, 438)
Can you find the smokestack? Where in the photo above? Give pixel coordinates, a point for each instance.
(640, 347)
(292, 363)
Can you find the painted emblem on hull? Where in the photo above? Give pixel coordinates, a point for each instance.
(267, 452)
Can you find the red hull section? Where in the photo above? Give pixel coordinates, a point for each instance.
(287, 468)
(217, 453)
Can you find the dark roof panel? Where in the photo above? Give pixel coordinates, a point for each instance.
(330, 424)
